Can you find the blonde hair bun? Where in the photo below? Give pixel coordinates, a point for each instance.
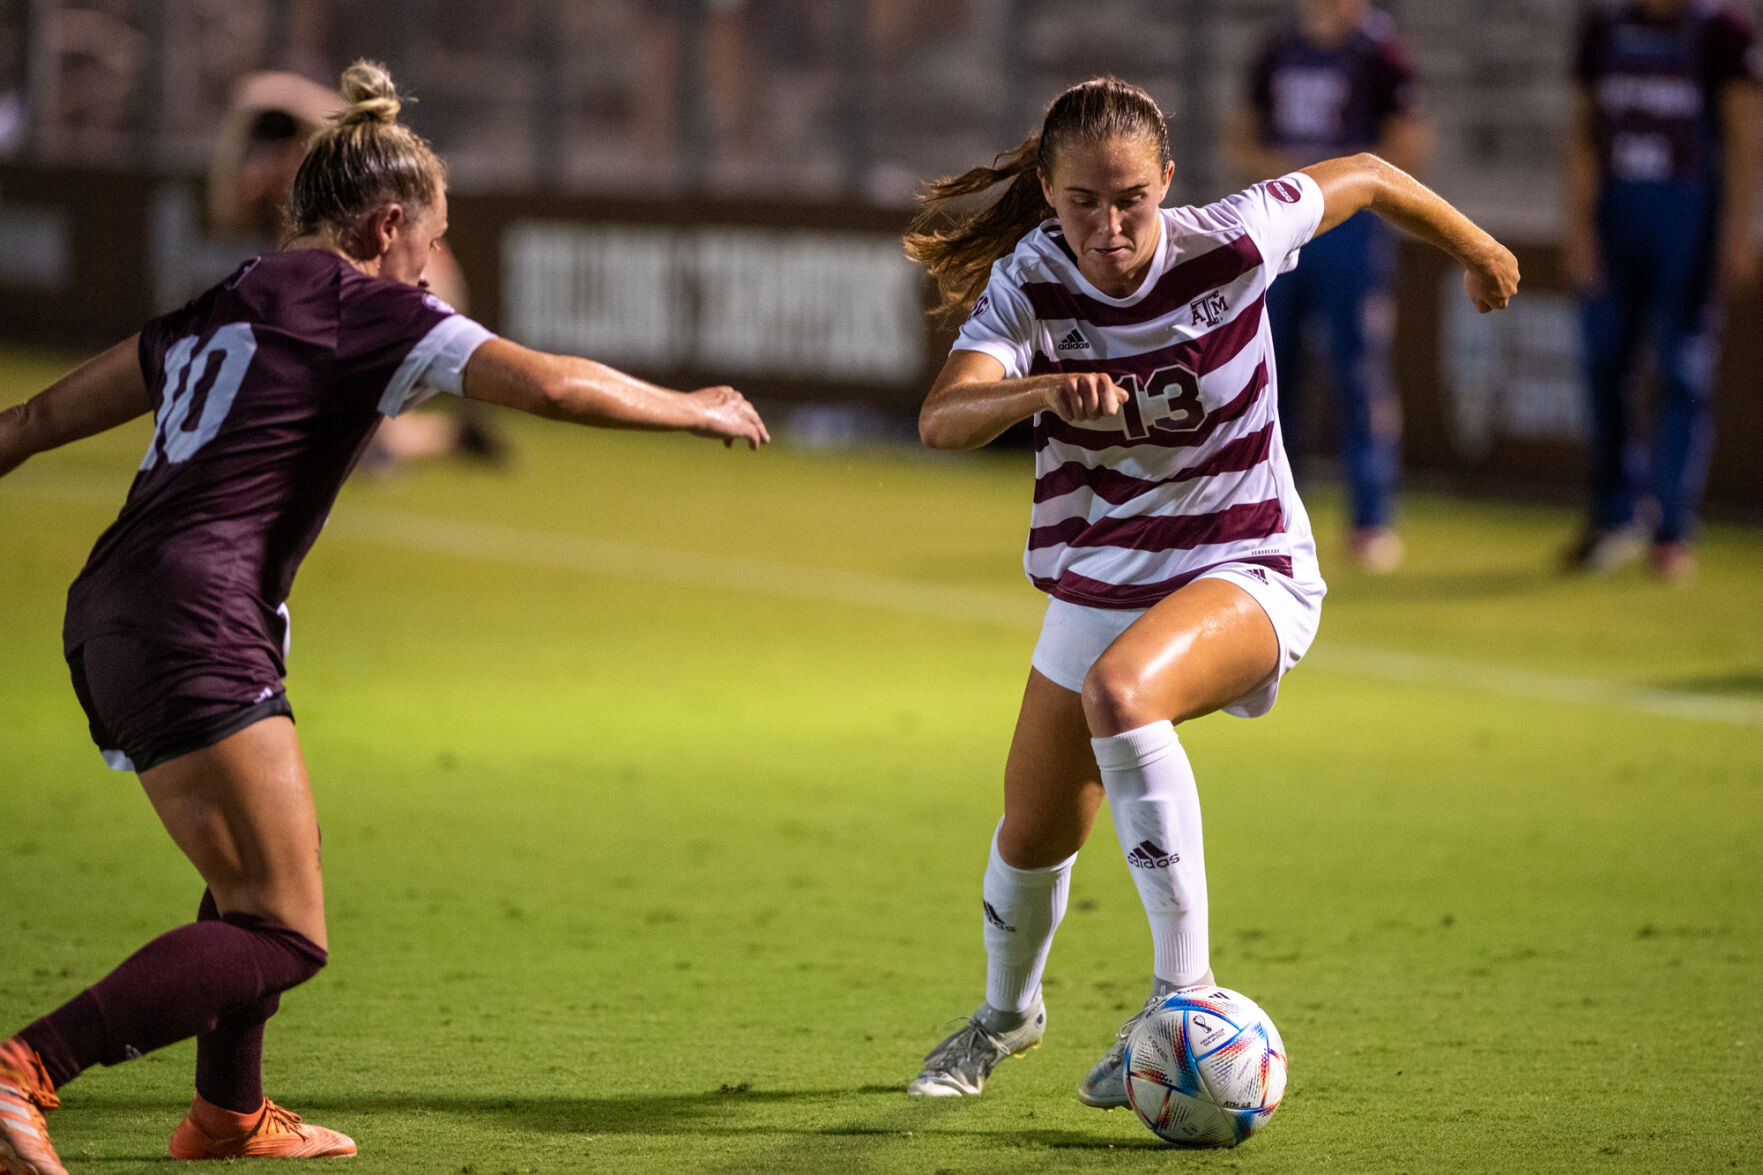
(367, 88)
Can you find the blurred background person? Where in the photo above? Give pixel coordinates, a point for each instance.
(257, 151)
(1332, 82)
(1661, 187)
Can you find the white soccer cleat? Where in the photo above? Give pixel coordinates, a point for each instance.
(1105, 1085)
(961, 1062)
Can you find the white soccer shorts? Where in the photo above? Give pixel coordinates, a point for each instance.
(1073, 636)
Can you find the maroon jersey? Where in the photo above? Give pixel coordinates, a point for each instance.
(265, 390)
(1318, 101)
(1655, 85)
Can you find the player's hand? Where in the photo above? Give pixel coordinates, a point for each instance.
(1085, 395)
(1492, 280)
(728, 417)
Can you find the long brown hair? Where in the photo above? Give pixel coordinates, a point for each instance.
(958, 250)
(364, 159)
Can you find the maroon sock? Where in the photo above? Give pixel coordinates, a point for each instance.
(229, 1060)
(182, 984)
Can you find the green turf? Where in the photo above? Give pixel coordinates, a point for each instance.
(674, 867)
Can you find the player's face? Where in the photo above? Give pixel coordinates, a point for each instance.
(1106, 195)
(416, 243)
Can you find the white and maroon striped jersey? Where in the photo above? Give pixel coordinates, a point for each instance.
(1191, 473)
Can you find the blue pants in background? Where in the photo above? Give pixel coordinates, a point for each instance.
(1341, 288)
(1656, 244)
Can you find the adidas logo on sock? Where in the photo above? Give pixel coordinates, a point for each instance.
(1074, 341)
(1149, 855)
(994, 919)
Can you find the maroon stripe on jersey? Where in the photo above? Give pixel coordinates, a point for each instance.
(1165, 532)
(1093, 593)
(1111, 486)
(1049, 428)
(1181, 285)
(1201, 354)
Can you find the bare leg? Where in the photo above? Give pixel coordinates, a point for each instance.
(1051, 786)
(242, 812)
(1196, 651)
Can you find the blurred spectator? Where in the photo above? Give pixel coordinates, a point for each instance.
(1332, 82)
(257, 153)
(1662, 180)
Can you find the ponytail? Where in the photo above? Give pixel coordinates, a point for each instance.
(958, 251)
(960, 256)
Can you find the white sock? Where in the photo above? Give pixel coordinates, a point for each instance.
(1156, 808)
(1023, 908)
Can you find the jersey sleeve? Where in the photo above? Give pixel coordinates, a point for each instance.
(1001, 325)
(1280, 216)
(404, 345)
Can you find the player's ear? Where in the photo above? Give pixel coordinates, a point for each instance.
(1046, 185)
(383, 227)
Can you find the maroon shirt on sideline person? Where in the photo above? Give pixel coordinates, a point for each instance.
(266, 390)
(1655, 84)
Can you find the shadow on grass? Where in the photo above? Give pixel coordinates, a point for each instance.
(881, 1111)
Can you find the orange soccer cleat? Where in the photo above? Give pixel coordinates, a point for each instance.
(25, 1092)
(210, 1132)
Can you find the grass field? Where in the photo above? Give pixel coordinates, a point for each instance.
(656, 782)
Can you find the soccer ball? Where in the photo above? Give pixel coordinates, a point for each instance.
(1205, 1067)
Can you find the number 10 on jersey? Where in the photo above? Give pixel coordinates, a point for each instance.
(1169, 400)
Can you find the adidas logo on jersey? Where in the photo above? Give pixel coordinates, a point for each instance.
(1074, 341)
(993, 917)
(1150, 855)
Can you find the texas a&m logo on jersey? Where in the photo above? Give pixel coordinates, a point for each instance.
(1207, 310)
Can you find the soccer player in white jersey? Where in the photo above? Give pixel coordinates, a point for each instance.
(1166, 530)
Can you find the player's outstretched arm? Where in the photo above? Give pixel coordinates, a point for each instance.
(99, 394)
(1365, 181)
(581, 391)
(971, 402)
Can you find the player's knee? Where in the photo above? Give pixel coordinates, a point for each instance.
(292, 958)
(1116, 698)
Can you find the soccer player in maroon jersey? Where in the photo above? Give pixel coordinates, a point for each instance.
(1165, 526)
(266, 390)
(1334, 81)
(1664, 164)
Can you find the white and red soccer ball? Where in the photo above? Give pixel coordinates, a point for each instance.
(1206, 1067)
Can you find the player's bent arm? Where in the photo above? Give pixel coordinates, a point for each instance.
(99, 394)
(971, 402)
(581, 391)
(1365, 181)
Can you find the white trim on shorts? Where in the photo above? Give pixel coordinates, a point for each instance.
(1073, 635)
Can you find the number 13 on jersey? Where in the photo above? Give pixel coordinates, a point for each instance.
(1169, 400)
